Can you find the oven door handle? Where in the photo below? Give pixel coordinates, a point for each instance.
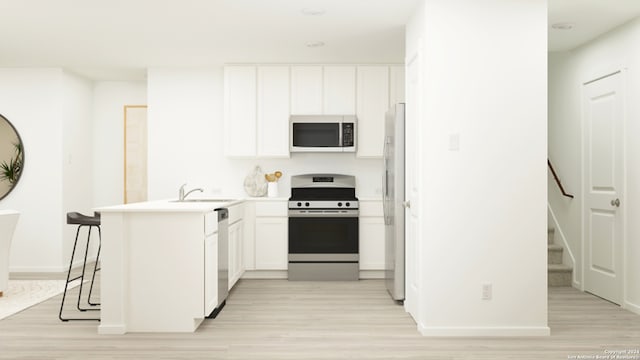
(324, 213)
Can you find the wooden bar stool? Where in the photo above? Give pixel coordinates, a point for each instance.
(75, 218)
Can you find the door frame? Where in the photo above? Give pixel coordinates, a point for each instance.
(126, 109)
(593, 76)
(413, 305)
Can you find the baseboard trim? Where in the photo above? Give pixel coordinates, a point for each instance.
(112, 329)
(371, 274)
(37, 269)
(632, 307)
(264, 274)
(51, 269)
(283, 274)
(481, 331)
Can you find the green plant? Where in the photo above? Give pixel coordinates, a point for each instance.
(10, 171)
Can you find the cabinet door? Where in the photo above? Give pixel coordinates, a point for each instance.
(306, 90)
(372, 243)
(396, 85)
(271, 243)
(235, 252)
(273, 111)
(232, 257)
(339, 90)
(372, 105)
(239, 238)
(210, 273)
(240, 111)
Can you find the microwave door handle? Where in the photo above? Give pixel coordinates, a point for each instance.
(340, 129)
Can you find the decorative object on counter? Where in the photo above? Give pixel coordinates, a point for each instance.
(11, 157)
(255, 183)
(272, 187)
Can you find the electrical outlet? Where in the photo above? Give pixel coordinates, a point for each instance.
(487, 290)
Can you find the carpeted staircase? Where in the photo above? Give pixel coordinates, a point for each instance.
(558, 273)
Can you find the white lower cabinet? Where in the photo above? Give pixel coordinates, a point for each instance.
(372, 247)
(271, 243)
(371, 243)
(271, 235)
(236, 264)
(210, 272)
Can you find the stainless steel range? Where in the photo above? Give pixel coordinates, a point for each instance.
(323, 228)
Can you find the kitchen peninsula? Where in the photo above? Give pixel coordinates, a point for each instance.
(156, 255)
(159, 265)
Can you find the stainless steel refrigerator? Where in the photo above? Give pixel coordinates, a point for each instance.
(393, 200)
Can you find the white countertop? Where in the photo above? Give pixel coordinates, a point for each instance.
(370, 198)
(196, 204)
(169, 206)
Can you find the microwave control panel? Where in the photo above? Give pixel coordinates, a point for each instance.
(347, 134)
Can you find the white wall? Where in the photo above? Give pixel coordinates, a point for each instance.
(483, 208)
(77, 174)
(109, 99)
(616, 49)
(51, 109)
(31, 99)
(186, 142)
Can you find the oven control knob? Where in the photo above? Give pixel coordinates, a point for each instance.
(339, 204)
(299, 204)
(306, 204)
(348, 204)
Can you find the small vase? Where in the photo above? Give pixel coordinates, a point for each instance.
(272, 189)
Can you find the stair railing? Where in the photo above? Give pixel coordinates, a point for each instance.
(555, 176)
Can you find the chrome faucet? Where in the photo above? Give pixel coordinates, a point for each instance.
(182, 195)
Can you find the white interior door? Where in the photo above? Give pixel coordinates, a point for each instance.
(412, 187)
(135, 153)
(604, 144)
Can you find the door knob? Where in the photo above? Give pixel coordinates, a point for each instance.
(406, 204)
(615, 202)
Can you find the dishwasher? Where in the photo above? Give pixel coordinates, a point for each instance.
(223, 260)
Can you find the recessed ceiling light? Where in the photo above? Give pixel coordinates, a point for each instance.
(314, 44)
(313, 11)
(563, 26)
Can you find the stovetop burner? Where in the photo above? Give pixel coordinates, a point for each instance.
(323, 191)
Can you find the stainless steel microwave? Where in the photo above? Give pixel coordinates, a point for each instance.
(322, 133)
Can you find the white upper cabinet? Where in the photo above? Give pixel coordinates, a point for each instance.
(273, 111)
(306, 90)
(339, 90)
(240, 111)
(372, 104)
(396, 85)
(258, 101)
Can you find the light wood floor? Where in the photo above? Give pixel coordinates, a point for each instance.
(277, 319)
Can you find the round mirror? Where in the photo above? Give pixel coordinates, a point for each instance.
(11, 157)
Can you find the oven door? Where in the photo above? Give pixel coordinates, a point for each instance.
(323, 237)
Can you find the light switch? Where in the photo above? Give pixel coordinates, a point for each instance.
(454, 142)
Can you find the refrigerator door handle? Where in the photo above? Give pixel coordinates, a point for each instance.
(385, 184)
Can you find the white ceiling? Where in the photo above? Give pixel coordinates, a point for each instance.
(591, 18)
(119, 39)
(90, 36)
